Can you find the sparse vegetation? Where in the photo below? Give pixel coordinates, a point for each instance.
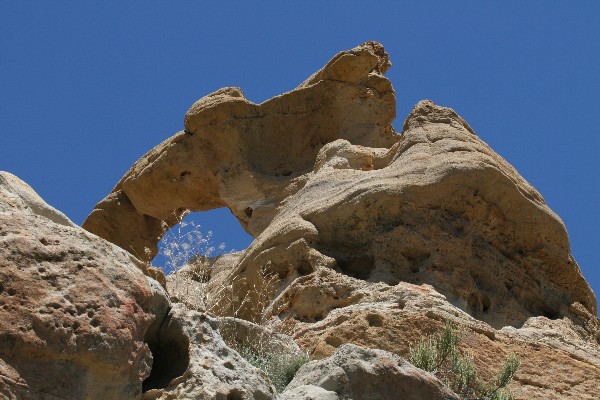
(440, 355)
(188, 256)
(187, 253)
(280, 367)
(187, 245)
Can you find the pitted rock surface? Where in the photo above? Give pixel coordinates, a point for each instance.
(74, 309)
(199, 365)
(366, 374)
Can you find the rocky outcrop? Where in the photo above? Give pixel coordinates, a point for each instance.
(368, 237)
(364, 374)
(248, 157)
(74, 309)
(440, 208)
(197, 364)
(560, 359)
(80, 320)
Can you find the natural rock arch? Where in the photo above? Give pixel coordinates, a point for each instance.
(323, 183)
(248, 157)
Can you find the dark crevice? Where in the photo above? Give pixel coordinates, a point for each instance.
(359, 267)
(477, 303)
(170, 352)
(305, 268)
(375, 320)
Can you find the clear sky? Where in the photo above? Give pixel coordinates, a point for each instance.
(86, 88)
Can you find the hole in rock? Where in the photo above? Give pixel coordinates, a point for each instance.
(478, 303)
(541, 308)
(208, 233)
(170, 355)
(359, 267)
(305, 268)
(235, 394)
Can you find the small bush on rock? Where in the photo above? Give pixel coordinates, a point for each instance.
(279, 367)
(440, 355)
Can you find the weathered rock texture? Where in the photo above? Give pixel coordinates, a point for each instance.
(79, 319)
(365, 374)
(74, 309)
(365, 236)
(197, 364)
(248, 157)
(560, 359)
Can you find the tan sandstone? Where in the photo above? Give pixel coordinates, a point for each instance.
(79, 320)
(245, 156)
(366, 236)
(74, 309)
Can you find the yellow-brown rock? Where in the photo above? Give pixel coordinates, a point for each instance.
(74, 309)
(248, 157)
(370, 237)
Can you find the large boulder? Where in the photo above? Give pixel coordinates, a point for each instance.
(74, 309)
(80, 320)
(356, 373)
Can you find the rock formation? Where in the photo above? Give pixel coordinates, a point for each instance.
(79, 320)
(197, 364)
(365, 240)
(248, 157)
(357, 373)
(74, 309)
(433, 205)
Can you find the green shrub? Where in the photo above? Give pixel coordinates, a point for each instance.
(440, 355)
(280, 368)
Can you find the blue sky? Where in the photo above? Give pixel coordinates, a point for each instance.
(86, 88)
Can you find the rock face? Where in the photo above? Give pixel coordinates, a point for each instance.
(199, 365)
(365, 374)
(560, 359)
(366, 236)
(248, 157)
(74, 309)
(439, 208)
(80, 320)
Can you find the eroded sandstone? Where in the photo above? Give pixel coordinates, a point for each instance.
(365, 236)
(248, 157)
(80, 320)
(365, 374)
(74, 309)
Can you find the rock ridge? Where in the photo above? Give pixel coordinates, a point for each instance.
(231, 152)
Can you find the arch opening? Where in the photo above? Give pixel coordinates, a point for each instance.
(206, 234)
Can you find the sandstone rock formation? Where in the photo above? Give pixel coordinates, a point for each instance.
(248, 157)
(365, 374)
(560, 360)
(74, 309)
(80, 320)
(366, 236)
(199, 365)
